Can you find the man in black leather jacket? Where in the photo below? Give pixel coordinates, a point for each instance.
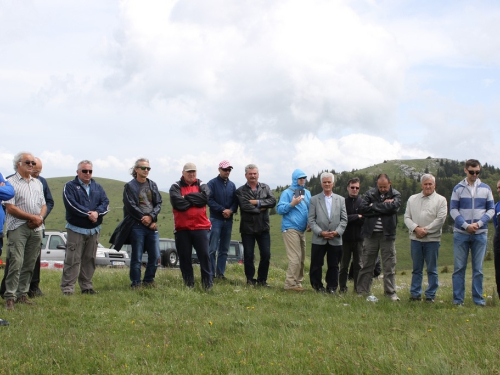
(379, 206)
(255, 200)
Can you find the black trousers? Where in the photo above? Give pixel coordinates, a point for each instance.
(496, 253)
(185, 240)
(333, 256)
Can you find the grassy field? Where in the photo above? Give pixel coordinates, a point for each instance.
(235, 329)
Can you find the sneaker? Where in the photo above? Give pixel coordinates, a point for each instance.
(3, 322)
(67, 294)
(415, 299)
(9, 304)
(36, 292)
(429, 300)
(394, 297)
(458, 304)
(24, 299)
(371, 298)
(89, 291)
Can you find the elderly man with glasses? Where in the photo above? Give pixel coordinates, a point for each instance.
(25, 213)
(86, 204)
(471, 206)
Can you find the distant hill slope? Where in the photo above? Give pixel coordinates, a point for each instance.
(405, 168)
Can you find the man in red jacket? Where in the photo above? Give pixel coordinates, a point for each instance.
(189, 199)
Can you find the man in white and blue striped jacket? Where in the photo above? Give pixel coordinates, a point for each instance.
(471, 206)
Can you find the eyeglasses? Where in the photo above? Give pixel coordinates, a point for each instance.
(89, 171)
(302, 178)
(144, 168)
(472, 173)
(354, 187)
(28, 162)
(226, 169)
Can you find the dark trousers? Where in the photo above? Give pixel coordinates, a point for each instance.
(333, 256)
(496, 253)
(185, 240)
(35, 278)
(264, 241)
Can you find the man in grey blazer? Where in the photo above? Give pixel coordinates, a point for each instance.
(328, 220)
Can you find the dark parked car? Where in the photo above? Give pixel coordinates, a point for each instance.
(234, 254)
(168, 253)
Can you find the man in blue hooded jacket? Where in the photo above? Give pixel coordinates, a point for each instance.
(294, 207)
(6, 193)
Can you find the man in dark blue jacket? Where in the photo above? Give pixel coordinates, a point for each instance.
(86, 204)
(223, 204)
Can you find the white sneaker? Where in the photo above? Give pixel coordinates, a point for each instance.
(394, 297)
(372, 298)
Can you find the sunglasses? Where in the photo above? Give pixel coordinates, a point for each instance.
(89, 171)
(144, 168)
(227, 169)
(28, 162)
(472, 173)
(354, 187)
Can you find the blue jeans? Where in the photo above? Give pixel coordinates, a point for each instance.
(264, 241)
(143, 240)
(220, 236)
(424, 252)
(461, 245)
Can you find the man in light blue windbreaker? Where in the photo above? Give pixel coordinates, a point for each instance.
(294, 207)
(471, 206)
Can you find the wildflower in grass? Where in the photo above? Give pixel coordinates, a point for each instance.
(466, 320)
(429, 330)
(201, 354)
(210, 323)
(132, 322)
(147, 346)
(409, 368)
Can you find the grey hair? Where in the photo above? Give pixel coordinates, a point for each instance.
(83, 162)
(326, 175)
(136, 165)
(18, 158)
(428, 176)
(251, 166)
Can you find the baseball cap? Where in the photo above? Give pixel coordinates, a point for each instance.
(189, 167)
(225, 164)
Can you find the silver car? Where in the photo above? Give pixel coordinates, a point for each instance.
(54, 249)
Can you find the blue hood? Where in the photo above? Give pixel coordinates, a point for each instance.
(295, 176)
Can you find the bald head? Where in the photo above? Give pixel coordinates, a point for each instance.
(37, 169)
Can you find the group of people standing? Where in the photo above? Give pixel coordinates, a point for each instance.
(356, 228)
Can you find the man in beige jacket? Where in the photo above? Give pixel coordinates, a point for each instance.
(425, 215)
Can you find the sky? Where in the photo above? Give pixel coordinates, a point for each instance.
(284, 84)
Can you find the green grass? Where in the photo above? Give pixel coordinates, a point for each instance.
(235, 329)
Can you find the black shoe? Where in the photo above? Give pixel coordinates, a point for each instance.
(221, 277)
(320, 289)
(251, 282)
(89, 291)
(415, 299)
(331, 291)
(429, 300)
(3, 322)
(151, 284)
(36, 292)
(343, 290)
(67, 294)
(263, 284)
